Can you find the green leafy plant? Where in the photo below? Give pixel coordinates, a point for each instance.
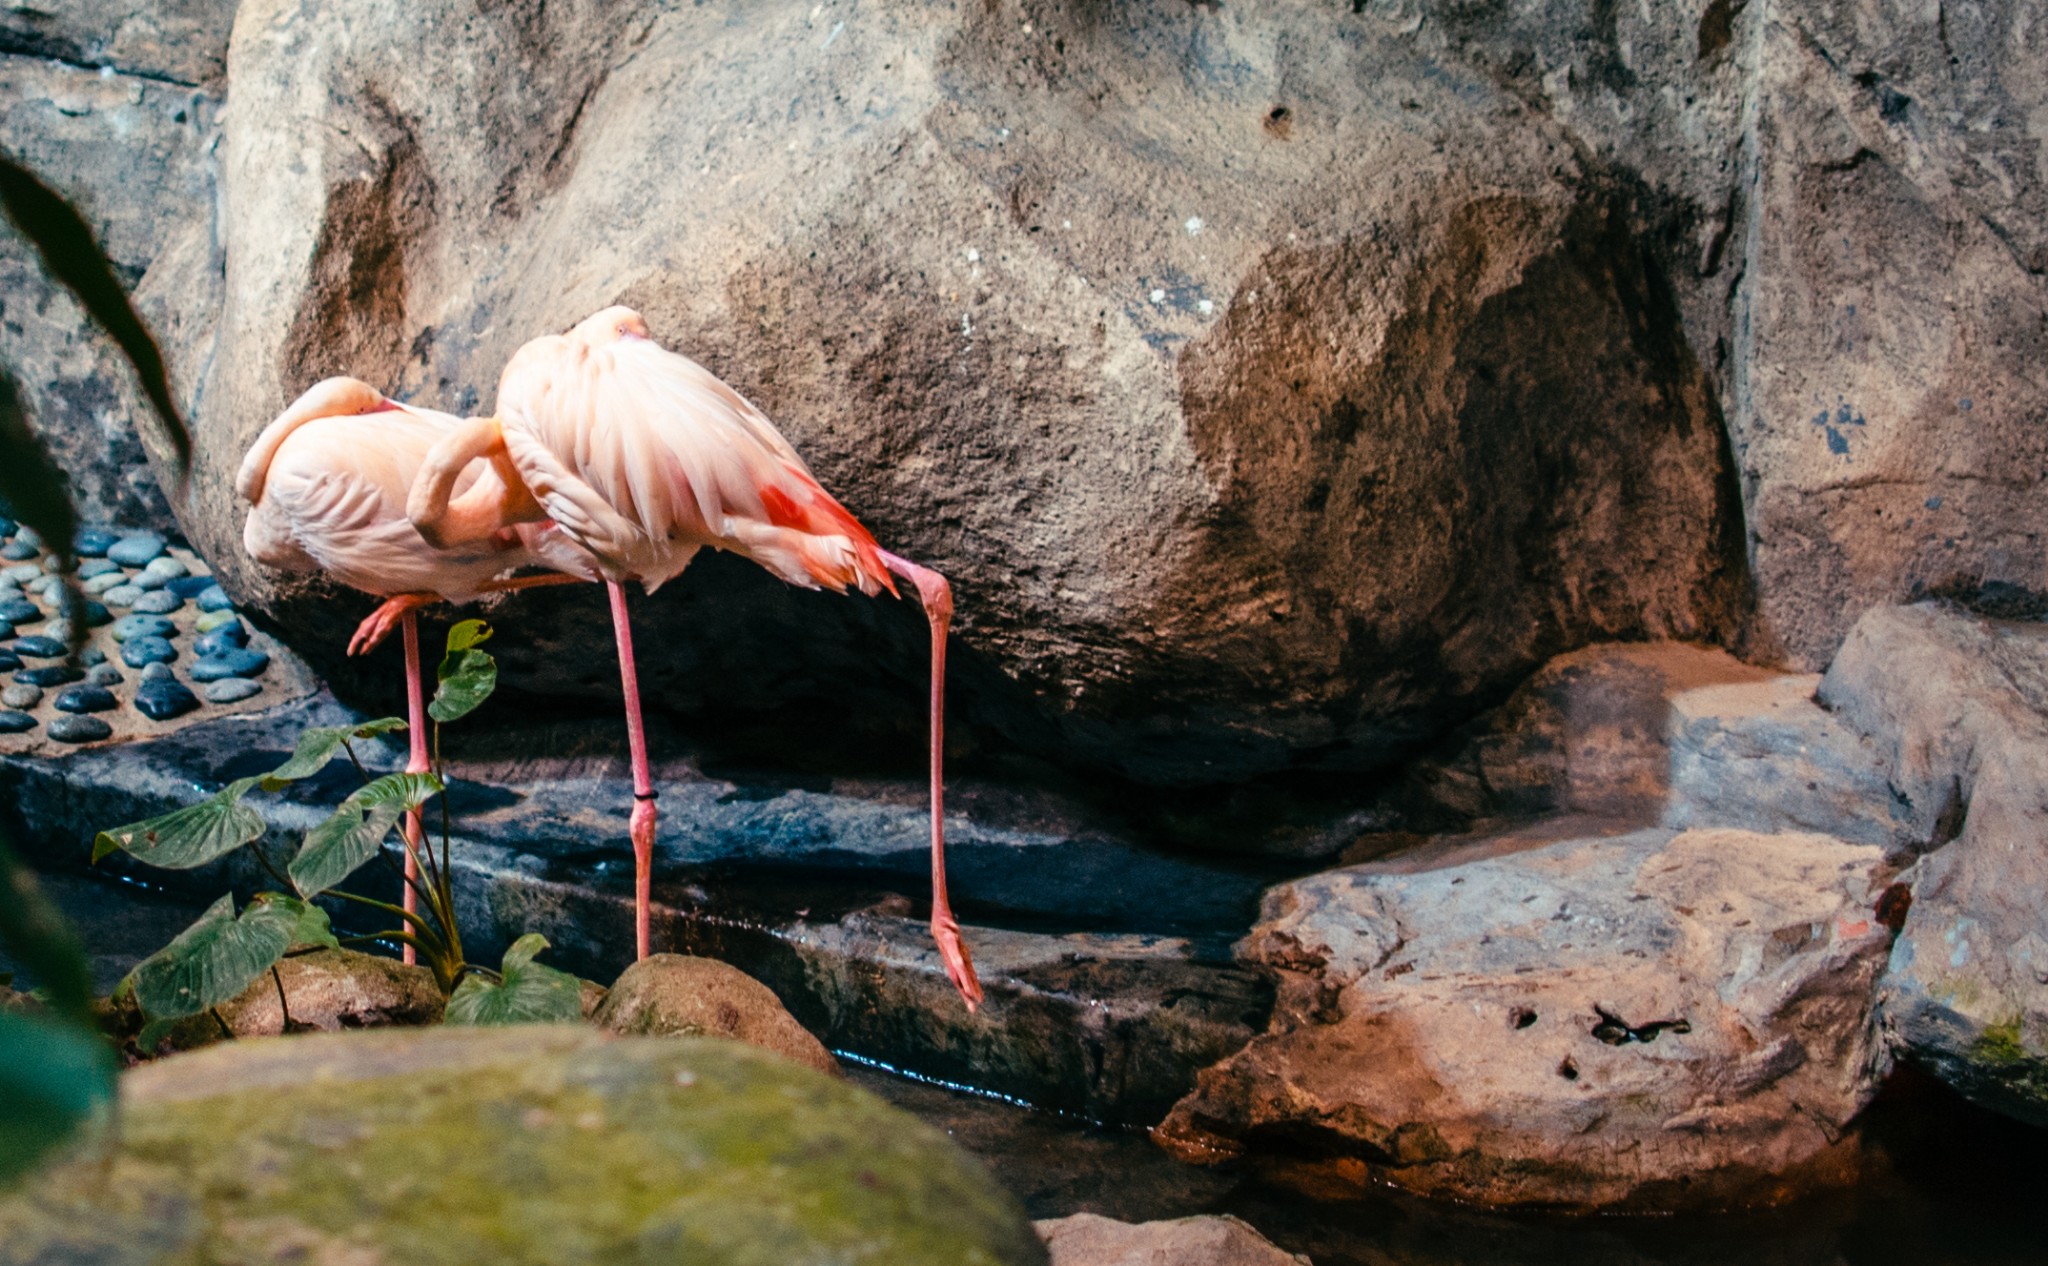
(224, 952)
(55, 1071)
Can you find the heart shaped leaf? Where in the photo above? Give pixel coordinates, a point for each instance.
(320, 744)
(334, 849)
(526, 992)
(188, 837)
(214, 959)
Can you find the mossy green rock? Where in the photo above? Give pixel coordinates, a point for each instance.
(552, 1145)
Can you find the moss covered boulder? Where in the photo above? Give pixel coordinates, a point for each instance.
(553, 1145)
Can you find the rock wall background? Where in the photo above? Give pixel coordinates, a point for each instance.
(1280, 383)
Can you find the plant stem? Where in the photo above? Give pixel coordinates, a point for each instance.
(364, 773)
(283, 1008)
(225, 1031)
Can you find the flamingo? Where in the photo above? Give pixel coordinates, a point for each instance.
(326, 483)
(643, 457)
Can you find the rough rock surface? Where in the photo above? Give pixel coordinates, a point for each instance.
(1891, 354)
(1649, 1020)
(135, 154)
(327, 992)
(1088, 1239)
(182, 42)
(676, 995)
(547, 1145)
(1958, 705)
(1272, 389)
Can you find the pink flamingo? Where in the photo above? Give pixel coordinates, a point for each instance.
(327, 483)
(643, 457)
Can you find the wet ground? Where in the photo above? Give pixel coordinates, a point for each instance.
(1947, 1184)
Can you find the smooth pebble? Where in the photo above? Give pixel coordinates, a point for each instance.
(167, 567)
(50, 675)
(94, 568)
(162, 698)
(17, 550)
(136, 551)
(147, 583)
(16, 722)
(230, 690)
(93, 543)
(142, 626)
(190, 586)
(230, 664)
(103, 675)
(215, 598)
(36, 646)
(7, 526)
(21, 575)
(92, 657)
(232, 636)
(85, 699)
(72, 728)
(162, 602)
(141, 652)
(104, 581)
(20, 611)
(123, 595)
(20, 696)
(157, 672)
(212, 620)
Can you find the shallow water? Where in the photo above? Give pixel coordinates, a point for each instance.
(1947, 1185)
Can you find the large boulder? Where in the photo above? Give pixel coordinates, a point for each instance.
(1638, 1021)
(1274, 389)
(1958, 706)
(547, 1145)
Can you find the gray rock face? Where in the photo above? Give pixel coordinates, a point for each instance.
(1958, 706)
(1243, 461)
(1651, 1020)
(557, 1144)
(1088, 1239)
(180, 41)
(134, 154)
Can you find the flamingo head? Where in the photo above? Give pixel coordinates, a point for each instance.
(610, 326)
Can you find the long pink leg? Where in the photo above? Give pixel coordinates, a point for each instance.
(937, 597)
(416, 763)
(642, 824)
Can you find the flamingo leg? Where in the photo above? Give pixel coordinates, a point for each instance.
(937, 596)
(416, 761)
(642, 824)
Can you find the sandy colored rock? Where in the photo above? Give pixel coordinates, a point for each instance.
(1089, 1239)
(327, 991)
(179, 41)
(676, 995)
(552, 1145)
(1649, 1021)
(1958, 707)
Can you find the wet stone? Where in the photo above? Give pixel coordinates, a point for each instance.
(79, 729)
(230, 664)
(232, 636)
(17, 550)
(167, 567)
(20, 611)
(50, 674)
(136, 551)
(94, 542)
(92, 657)
(6, 630)
(103, 675)
(21, 575)
(16, 722)
(20, 696)
(157, 672)
(129, 626)
(95, 613)
(212, 620)
(100, 582)
(122, 595)
(29, 536)
(190, 586)
(231, 690)
(162, 698)
(94, 568)
(150, 648)
(149, 582)
(39, 647)
(46, 585)
(162, 602)
(215, 598)
(9, 661)
(58, 631)
(86, 699)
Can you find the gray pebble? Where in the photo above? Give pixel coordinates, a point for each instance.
(230, 664)
(92, 657)
(100, 582)
(95, 613)
(142, 626)
(52, 563)
(16, 550)
(157, 672)
(22, 574)
(37, 646)
(121, 596)
(147, 583)
(79, 729)
(29, 535)
(103, 675)
(147, 651)
(85, 699)
(93, 543)
(136, 551)
(167, 567)
(94, 568)
(44, 585)
(230, 690)
(21, 696)
(162, 602)
(215, 599)
(19, 611)
(16, 722)
(162, 699)
(232, 636)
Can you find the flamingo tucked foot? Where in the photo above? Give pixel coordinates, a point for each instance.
(388, 616)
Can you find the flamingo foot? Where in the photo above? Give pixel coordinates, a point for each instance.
(959, 964)
(378, 625)
(641, 828)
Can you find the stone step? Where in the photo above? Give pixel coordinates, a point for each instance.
(1105, 964)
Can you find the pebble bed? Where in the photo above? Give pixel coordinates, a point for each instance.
(162, 639)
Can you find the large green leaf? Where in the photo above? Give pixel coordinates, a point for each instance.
(322, 743)
(54, 1076)
(188, 837)
(310, 925)
(73, 258)
(467, 679)
(214, 959)
(526, 993)
(191, 836)
(35, 935)
(334, 849)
